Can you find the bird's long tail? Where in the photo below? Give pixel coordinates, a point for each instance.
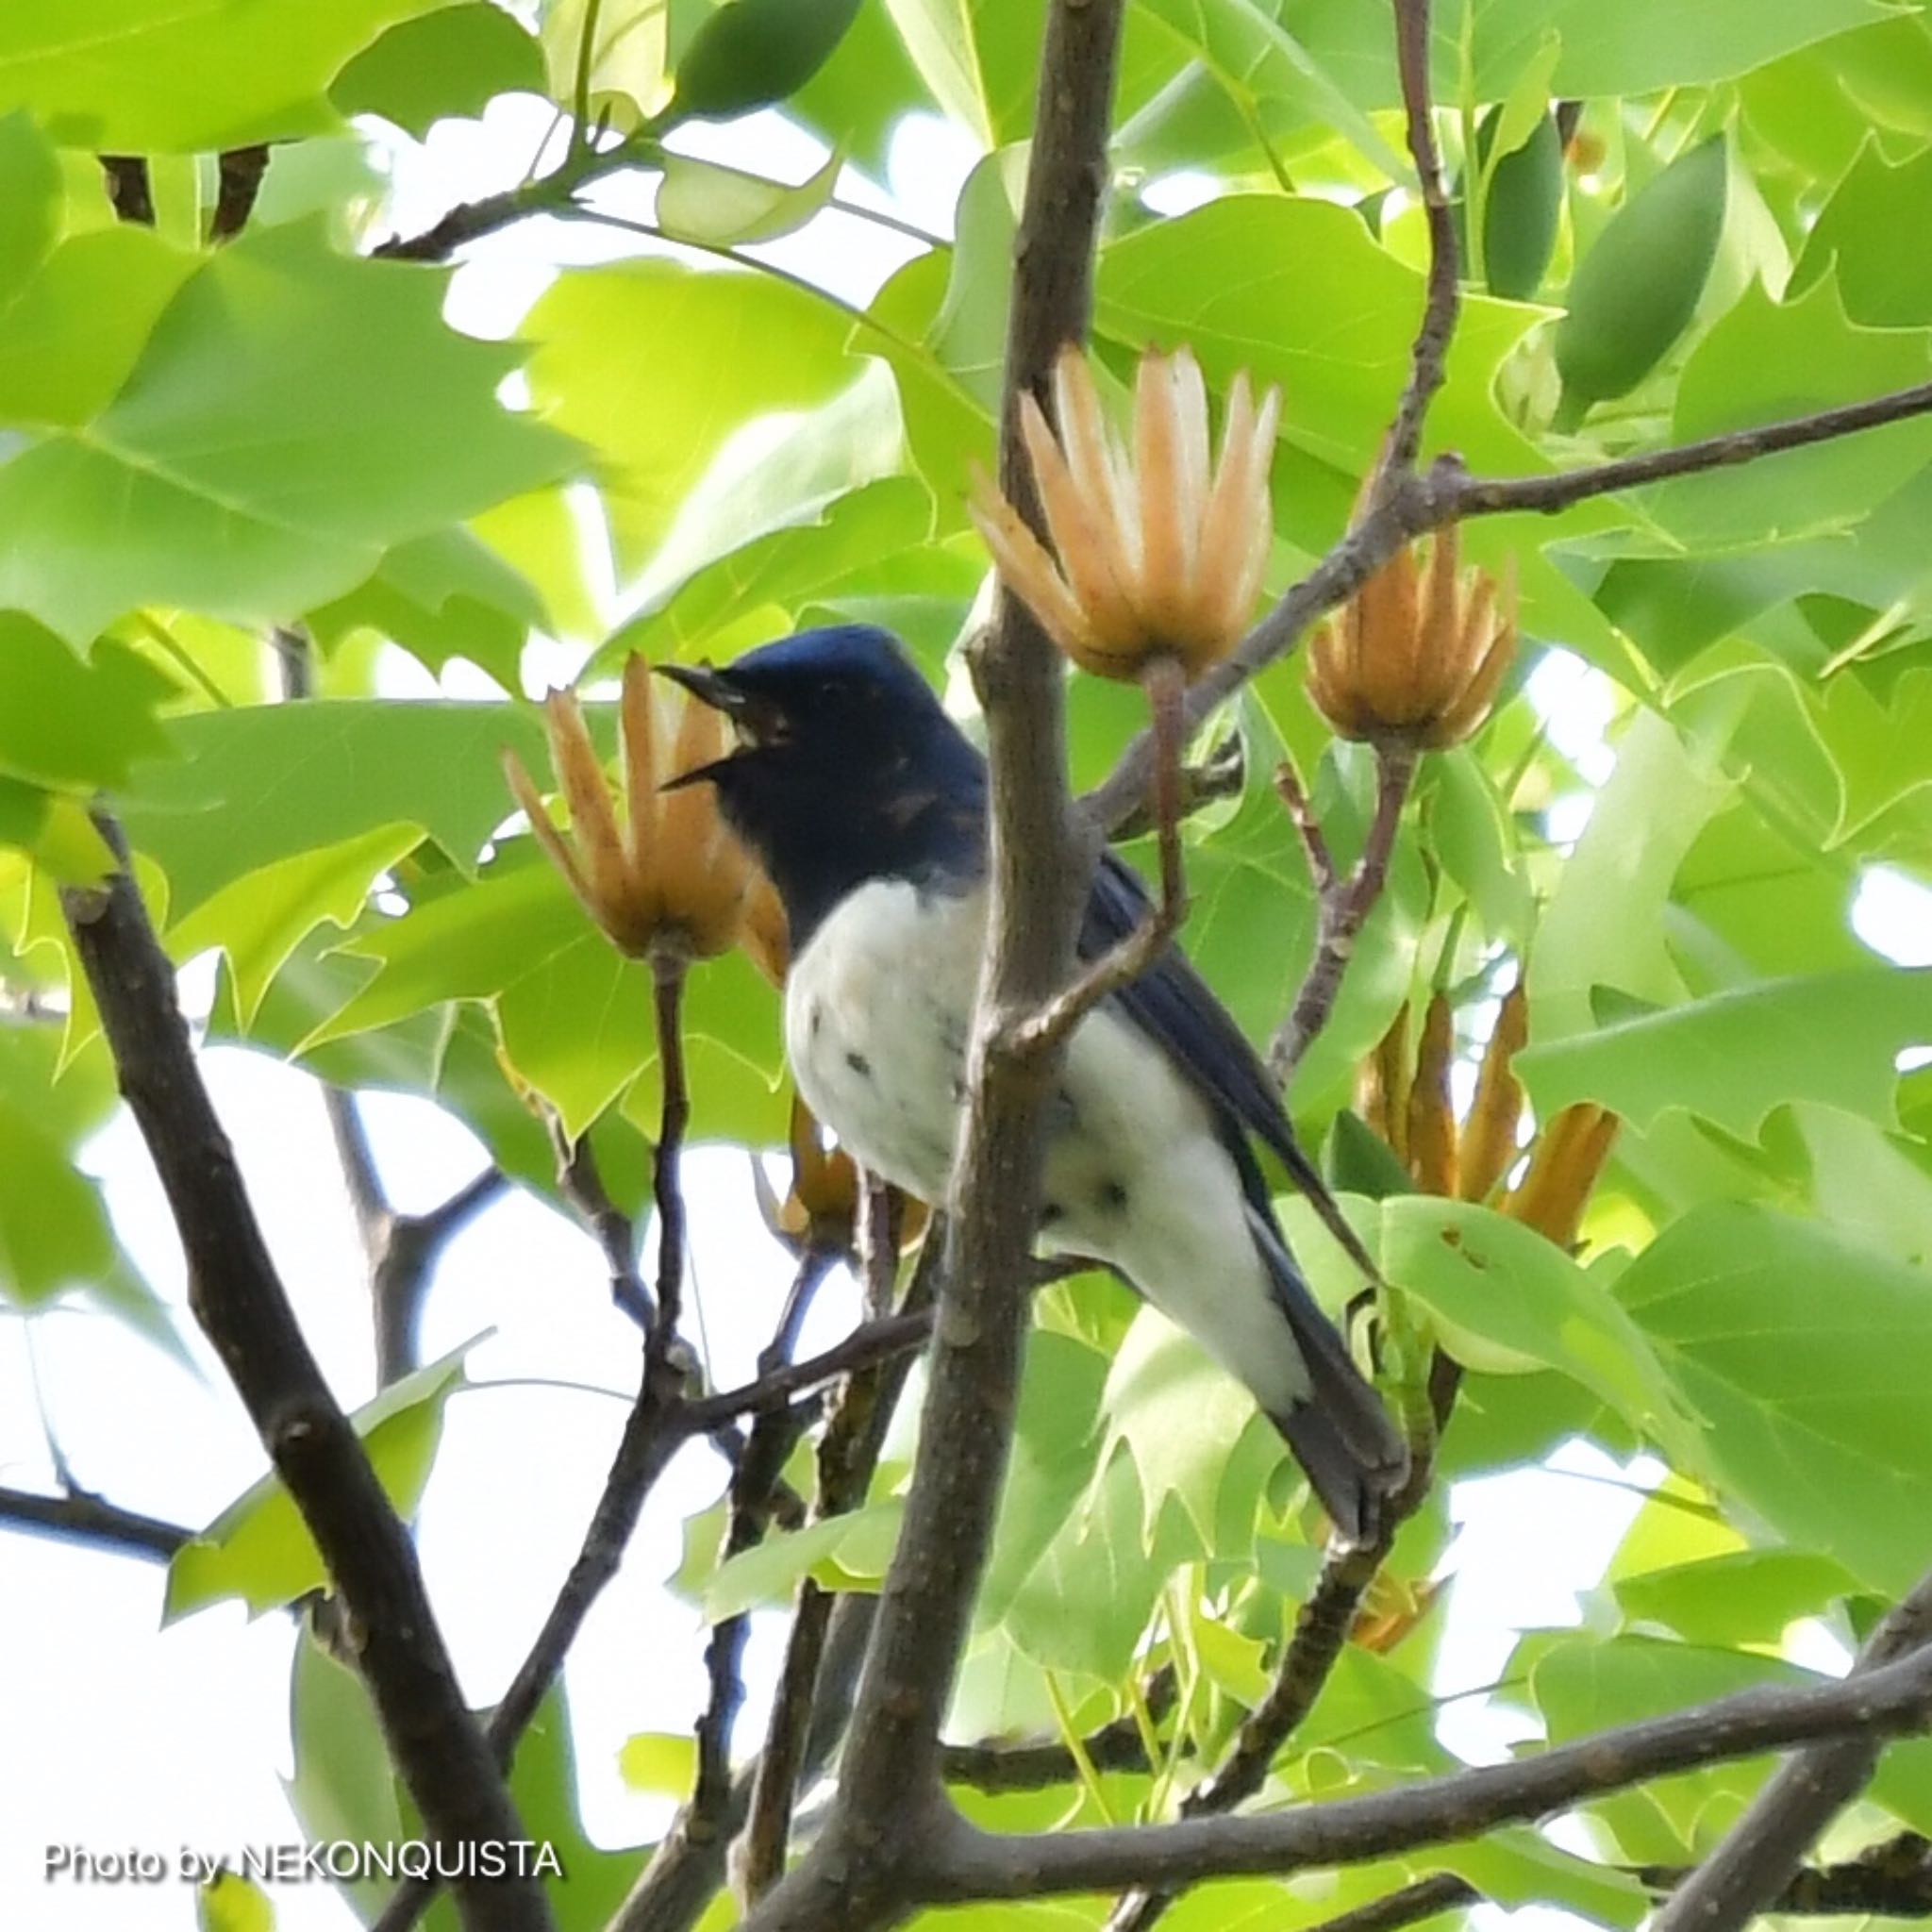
(1339, 1432)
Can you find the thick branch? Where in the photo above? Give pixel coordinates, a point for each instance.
(79, 1517)
(848, 1454)
(1757, 1858)
(242, 1307)
(853, 1878)
(967, 1864)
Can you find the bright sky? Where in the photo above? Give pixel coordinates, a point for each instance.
(122, 1736)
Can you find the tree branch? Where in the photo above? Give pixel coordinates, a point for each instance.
(239, 1300)
(130, 191)
(1755, 1858)
(81, 1517)
(848, 1454)
(241, 171)
(1445, 494)
(967, 1864)
(1443, 293)
(856, 1874)
(1344, 903)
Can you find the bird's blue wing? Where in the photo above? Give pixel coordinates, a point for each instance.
(1174, 1005)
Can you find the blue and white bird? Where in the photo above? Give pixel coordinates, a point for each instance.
(866, 806)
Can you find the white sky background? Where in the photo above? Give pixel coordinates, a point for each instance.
(116, 1735)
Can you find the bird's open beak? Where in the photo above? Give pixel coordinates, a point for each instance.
(755, 721)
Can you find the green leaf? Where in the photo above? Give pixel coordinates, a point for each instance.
(1764, 361)
(844, 1553)
(974, 58)
(654, 366)
(1519, 1868)
(752, 52)
(1603, 926)
(1505, 1300)
(1635, 47)
(1855, 240)
(343, 1786)
(243, 434)
(1472, 836)
(662, 1762)
(585, 1893)
(441, 596)
(258, 921)
(1056, 1438)
(1806, 1356)
(1747, 1597)
(453, 61)
(54, 1229)
(726, 207)
(1834, 1039)
(260, 784)
(142, 76)
(859, 542)
(65, 723)
(55, 831)
(1084, 1602)
(30, 215)
(230, 1904)
(1180, 1416)
(259, 1549)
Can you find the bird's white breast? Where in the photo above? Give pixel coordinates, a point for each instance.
(877, 1009)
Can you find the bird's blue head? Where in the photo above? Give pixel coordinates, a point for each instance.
(846, 767)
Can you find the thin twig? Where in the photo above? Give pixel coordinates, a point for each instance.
(582, 1184)
(1444, 289)
(241, 1303)
(1343, 904)
(1441, 1891)
(674, 1116)
(753, 1483)
(1116, 1746)
(81, 1517)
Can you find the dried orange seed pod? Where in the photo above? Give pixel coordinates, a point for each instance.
(1160, 553)
(1489, 1135)
(671, 875)
(1564, 1165)
(1416, 656)
(1431, 1139)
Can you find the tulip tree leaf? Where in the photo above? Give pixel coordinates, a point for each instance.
(259, 1549)
(1806, 1357)
(244, 434)
(653, 366)
(1834, 1039)
(260, 784)
(144, 77)
(575, 1016)
(449, 62)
